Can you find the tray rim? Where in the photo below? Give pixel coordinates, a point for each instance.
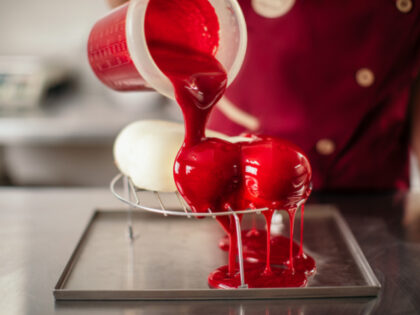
(371, 289)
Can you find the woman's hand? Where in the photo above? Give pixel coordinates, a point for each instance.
(115, 3)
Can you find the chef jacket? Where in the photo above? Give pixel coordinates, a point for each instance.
(333, 77)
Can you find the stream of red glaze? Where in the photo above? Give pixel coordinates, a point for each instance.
(183, 38)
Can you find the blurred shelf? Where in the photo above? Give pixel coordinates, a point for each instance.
(79, 118)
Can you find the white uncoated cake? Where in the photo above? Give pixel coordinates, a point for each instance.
(146, 150)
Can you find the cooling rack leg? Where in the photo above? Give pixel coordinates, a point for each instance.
(240, 252)
(127, 193)
(130, 267)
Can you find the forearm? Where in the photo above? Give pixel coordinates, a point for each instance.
(415, 119)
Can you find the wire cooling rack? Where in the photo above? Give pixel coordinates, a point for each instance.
(130, 196)
(123, 188)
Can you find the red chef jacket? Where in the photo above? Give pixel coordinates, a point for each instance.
(334, 77)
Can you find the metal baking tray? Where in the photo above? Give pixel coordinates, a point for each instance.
(171, 258)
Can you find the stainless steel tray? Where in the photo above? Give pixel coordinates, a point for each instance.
(171, 258)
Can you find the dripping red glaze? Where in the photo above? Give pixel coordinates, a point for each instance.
(255, 250)
(183, 38)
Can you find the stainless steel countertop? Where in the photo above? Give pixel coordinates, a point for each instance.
(40, 227)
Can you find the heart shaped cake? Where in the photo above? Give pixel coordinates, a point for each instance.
(266, 172)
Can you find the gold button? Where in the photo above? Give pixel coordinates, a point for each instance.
(365, 77)
(404, 6)
(325, 146)
(272, 8)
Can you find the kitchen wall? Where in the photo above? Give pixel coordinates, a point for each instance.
(47, 26)
(52, 28)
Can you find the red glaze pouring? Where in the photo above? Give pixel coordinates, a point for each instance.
(182, 37)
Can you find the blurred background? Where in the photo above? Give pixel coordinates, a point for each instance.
(57, 121)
